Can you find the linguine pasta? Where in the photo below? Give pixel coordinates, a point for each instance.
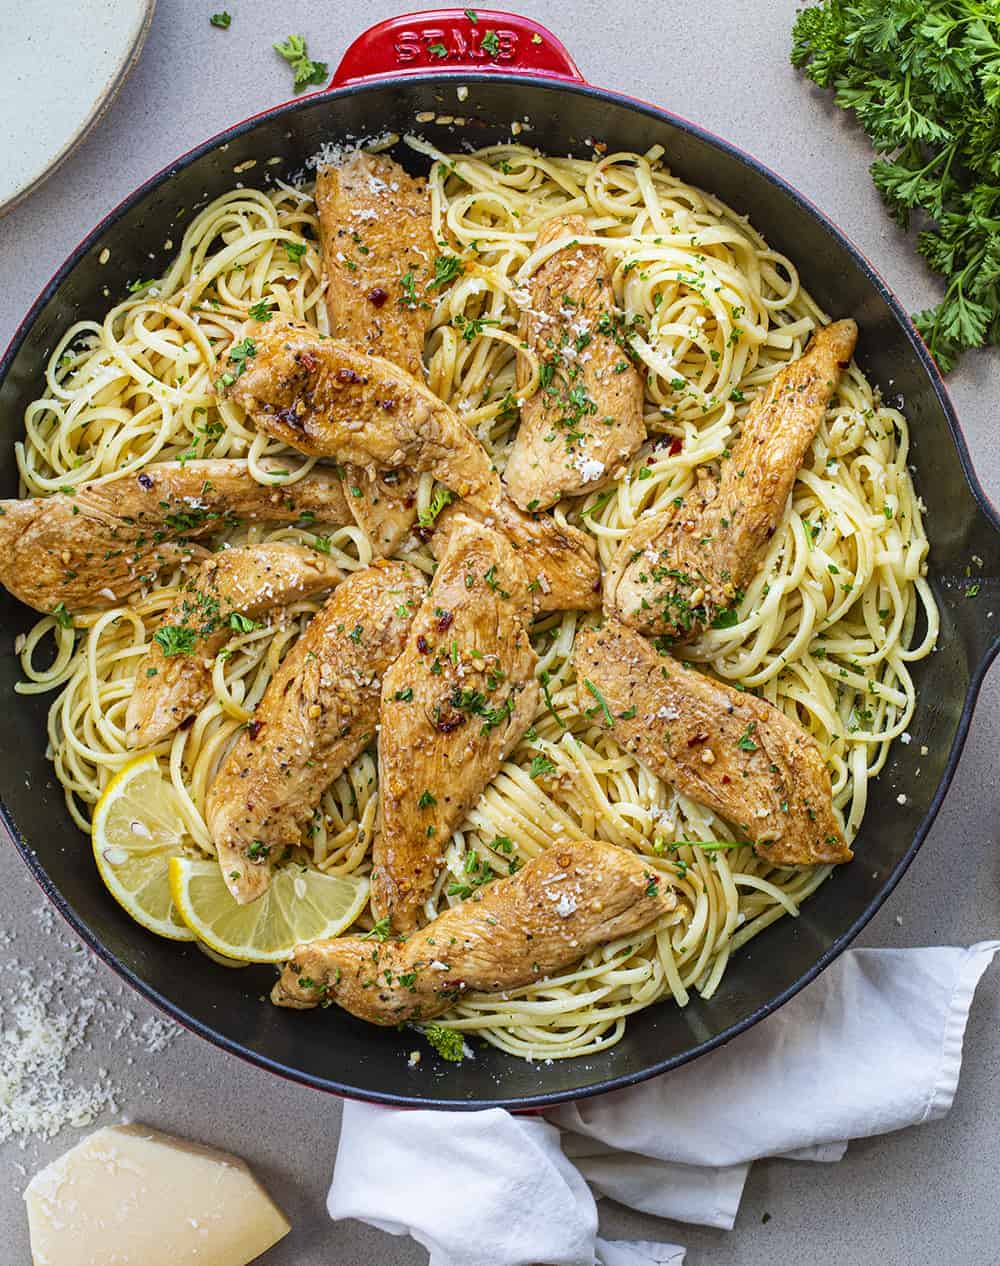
(826, 631)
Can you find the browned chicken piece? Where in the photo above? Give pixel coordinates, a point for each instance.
(563, 574)
(90, 550)
(585, 422)
(383, 503)
(560, 906)
(375, 229)
(227, 593)
(454, 705)
(729, 750)
(318, 714)
(676, 572)
(328, 399)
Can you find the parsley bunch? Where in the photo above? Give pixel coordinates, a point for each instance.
(923, 79)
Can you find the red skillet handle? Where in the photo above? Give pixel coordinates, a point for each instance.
(455, 40)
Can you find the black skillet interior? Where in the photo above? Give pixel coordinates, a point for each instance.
(328, 1048)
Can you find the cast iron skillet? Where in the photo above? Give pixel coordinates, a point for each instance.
(388, 79)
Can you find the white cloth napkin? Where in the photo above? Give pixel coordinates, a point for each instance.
(873, 1045)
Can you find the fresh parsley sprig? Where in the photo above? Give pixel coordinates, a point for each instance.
(923, 79)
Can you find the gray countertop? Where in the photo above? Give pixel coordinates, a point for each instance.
(726, 66)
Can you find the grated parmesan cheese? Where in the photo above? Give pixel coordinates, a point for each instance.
(47, 1019)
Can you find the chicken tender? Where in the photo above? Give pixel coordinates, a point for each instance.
(454, 705)
(735, 753)
(579, 430)
(318, 714)
(227, 593)
(328, 399)
(92, 549)
(375, 229)
(676, 572)
(561, 905)
(563, 574)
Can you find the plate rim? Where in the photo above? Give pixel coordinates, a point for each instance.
(99, 107)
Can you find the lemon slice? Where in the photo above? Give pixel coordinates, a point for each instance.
(138, 827)
(300, 905)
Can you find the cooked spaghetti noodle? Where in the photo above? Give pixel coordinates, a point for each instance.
(826, 630)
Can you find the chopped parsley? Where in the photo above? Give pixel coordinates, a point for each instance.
(491, 43)
(602, 702)
(305, 70)
(745, 742)
(242, 623)
(446, 269)
(440, 498)
(221, 20)
(540, 765)
(427, 800)
(176, 639)
(63, 618)
(261, 311)
(380, 932)
(295, 250)
(240, 354)
(408, 285)
(449, 1044)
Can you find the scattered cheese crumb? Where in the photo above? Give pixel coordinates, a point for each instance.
(901, 799)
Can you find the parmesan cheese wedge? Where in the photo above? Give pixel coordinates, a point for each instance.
(131, 1196)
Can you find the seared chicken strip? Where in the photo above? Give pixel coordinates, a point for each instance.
(328, 399)
(560, 906)
(91, 549)
(454, 705)
(731, 751)
(675, 572)
(375, 229)
(562, 573)
(322, 397)
(383, 503)
(227, 593)
(318, 714)
(585, 422)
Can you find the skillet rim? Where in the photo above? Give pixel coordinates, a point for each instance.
(985, 506)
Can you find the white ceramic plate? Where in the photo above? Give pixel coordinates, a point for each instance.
(61, 64)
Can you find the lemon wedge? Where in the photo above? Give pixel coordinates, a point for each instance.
(300, 905)
(138, 827)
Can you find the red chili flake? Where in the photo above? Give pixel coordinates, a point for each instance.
(410, 500)
(347, 376)
(289, 417)
(377, 296)
(696, 739)
(145, 482)
(254, 728)
(444, 624)
(675, 447)
(307, 360)
(447, 725)
(422, 645)
(726, 778)
(453, 984)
